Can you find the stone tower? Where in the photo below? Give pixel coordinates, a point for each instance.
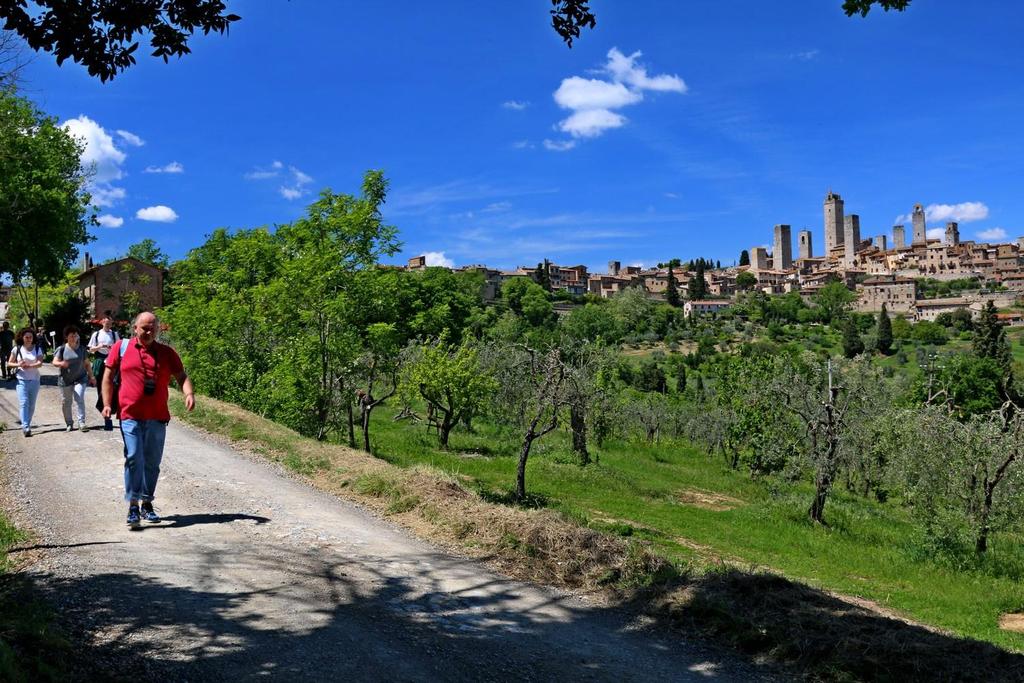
(833, 222)
(920, 231)
(952, 233)
(614, 267)
(806, 247)
(758, 258)
(881, 243)
(851, 237)
(782, 253)
(899, 237)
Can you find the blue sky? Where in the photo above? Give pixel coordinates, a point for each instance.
(504, 147)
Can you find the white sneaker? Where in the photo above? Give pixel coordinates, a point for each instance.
(70, 428)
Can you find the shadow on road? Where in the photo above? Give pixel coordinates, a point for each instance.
(178, 521)
(53, 546)
(304, 619)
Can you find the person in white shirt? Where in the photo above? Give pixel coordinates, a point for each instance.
(100, 344)
(26, 363)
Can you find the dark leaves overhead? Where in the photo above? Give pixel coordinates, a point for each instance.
(569, 16)
(862, 7)
(101, 35)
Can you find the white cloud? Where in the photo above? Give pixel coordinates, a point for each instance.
(591, 122)
(437, 258)
(295, 181)
(626, 70)
(515, 105)
(108, 221)
(589, 93)
(806, 55)
(672, 195)
(157, 214)
(173, 167)
(297, 188)
(106, 195)
(592, 100)
(965, 212)
(936, 234)
(100, 151)
(497, 207)
(993, 234)
(523, 144)
(559, 145)
(131, 138)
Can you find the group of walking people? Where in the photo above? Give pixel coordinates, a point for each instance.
(25, 356)
(132, 377)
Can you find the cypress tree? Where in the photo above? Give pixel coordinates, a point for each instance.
(884, 331)
(697, 288)
(744, 258)
(853, 345)
(672, 289)
(990, 338)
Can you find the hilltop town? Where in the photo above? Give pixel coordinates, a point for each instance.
(881, 270)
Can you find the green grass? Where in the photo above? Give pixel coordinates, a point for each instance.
(870, 550)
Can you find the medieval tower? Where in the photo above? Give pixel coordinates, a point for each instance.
(899, 237)
(782, 253)
(851, 237)
(833, 222)
(806, 247)
(952, 233)
(920, 231)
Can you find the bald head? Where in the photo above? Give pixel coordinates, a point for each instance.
(145, 327)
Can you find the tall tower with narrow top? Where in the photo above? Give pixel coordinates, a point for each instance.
(806, 246)
(833, 222)
(782, 254)
(920, 230)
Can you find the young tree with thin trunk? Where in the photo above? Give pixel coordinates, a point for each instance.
(547, 375)
(380, 366)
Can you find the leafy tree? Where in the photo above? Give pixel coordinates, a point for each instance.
(862, 7)
(147, 251)
(962, 478)
(746, 281)
(44, 212)
(990, 338)
(965, 383)
(651, 377)
(883, 333)
(671, 288)
(379, 366)
(960, 319)
(744, 258)
(101, 34)
(449, 379)
(834, 301)
(830, 403)
(592, 322)
(928, 332)
(853, 345)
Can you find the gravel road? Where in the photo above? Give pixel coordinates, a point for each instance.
(253, 574)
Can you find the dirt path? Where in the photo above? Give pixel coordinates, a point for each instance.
(253, 574)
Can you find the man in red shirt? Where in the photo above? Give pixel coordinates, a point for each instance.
(146, 368)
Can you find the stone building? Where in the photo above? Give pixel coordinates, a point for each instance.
(920, 230)
(851, 237)
(122, 287)
(758, 259)
(899, 237)
(897, 293)
(833, 222)
(952, 234)
(880, 243)
(782, 254)
(806, 245)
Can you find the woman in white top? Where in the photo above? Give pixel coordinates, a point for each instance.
(27, 364)
(100, 344)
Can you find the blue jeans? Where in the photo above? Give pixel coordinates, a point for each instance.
(28, 390)
(143, 451)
